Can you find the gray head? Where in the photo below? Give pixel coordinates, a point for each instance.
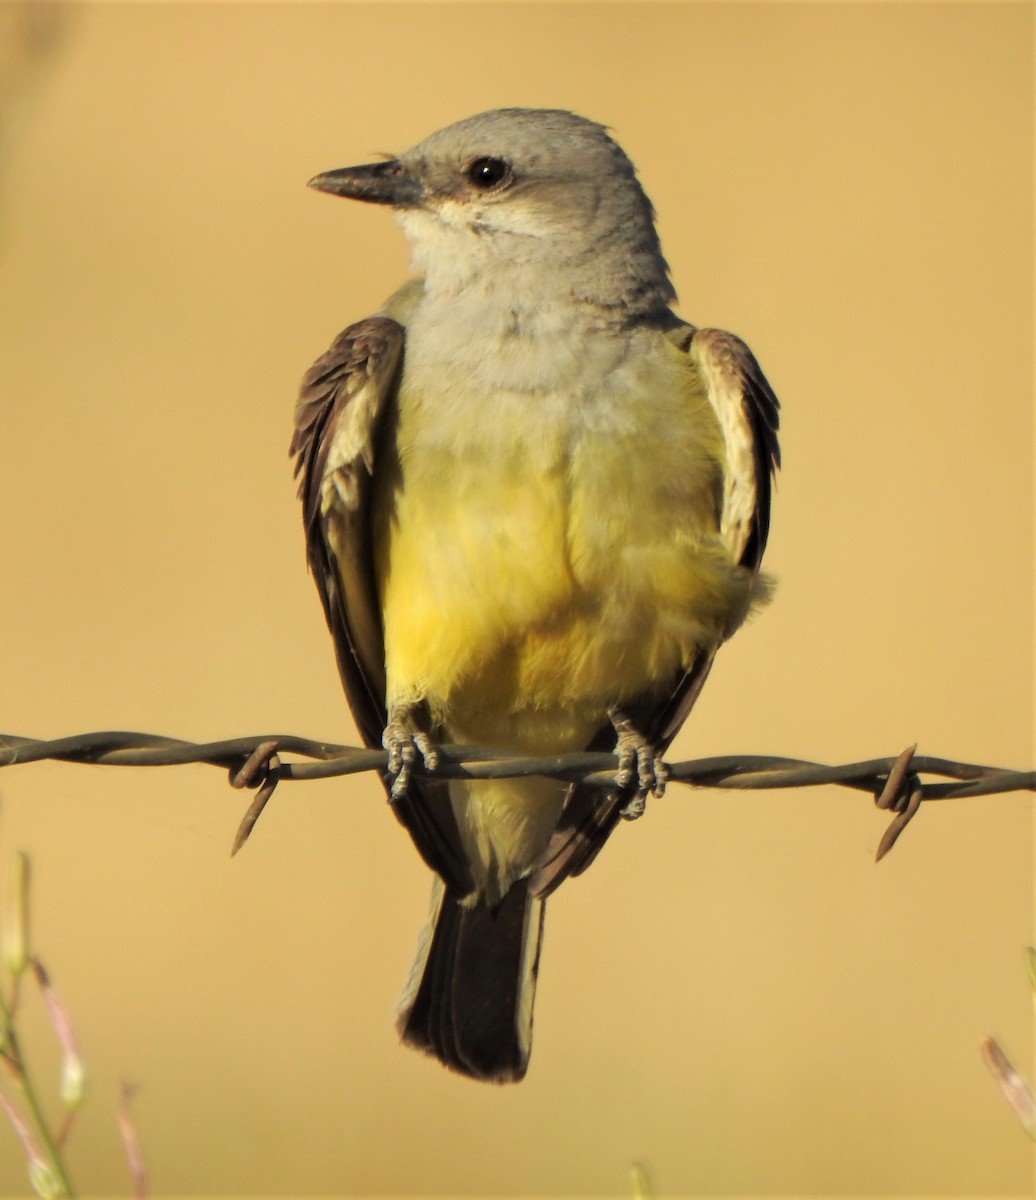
(539, 193)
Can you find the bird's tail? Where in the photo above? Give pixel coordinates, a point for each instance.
(470, 994)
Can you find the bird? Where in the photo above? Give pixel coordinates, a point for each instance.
(535, 504)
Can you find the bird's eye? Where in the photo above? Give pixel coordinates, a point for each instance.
(488, 173)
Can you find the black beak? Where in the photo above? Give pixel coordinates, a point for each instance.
(377, 183)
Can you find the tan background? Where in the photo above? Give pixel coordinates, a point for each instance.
(734, 994)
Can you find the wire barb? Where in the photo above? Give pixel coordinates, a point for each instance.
(901, 795)
(262, 768)
(895, 783)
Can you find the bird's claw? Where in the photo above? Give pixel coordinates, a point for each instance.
(405, 744)
(640, 764)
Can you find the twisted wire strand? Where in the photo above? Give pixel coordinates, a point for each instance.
(257, 762)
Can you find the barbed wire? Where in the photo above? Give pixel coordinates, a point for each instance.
(257, 762)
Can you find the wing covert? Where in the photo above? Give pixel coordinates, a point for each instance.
(337, 418)
(748, 413)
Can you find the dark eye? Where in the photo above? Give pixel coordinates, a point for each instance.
(488, 173)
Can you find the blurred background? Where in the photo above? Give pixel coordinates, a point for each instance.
(735, 994)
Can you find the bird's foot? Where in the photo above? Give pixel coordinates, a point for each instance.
(405, 741)
(639, 762)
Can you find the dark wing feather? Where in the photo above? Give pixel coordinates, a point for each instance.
(748, 413)
(339, 420)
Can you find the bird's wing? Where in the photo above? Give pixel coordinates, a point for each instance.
(338, 419)
(748, 415)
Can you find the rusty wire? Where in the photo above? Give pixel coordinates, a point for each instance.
(257, 762)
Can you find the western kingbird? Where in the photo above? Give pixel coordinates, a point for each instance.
(536, 503)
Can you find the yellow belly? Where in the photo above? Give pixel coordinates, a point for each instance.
(539, 564)
(541, 569)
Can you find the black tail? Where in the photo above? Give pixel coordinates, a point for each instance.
(470, 994)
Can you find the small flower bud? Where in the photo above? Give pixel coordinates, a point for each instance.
(16, 917)
(73, 1080)
(44, 1182)
(1015, 1089)
(1030, 967)
(641, 1185)
(73, 1072)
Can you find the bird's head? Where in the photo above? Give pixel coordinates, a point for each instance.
(519, 188)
